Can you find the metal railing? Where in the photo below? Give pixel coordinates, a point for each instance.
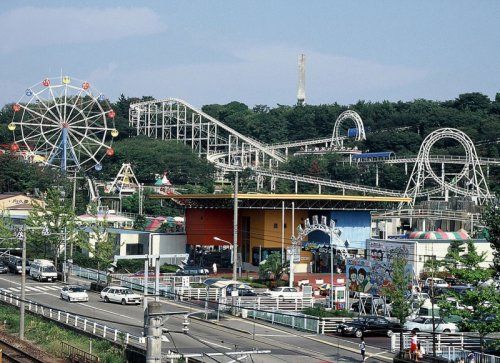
(77, 354)
(295, 321)
(88, 273)
(74, 321)
(450, 346)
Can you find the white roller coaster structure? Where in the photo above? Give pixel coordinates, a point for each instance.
(470, 181)
(229, 150)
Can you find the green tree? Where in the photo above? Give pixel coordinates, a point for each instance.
(102, 246)
(272, 268)
(491, 218)
(398, 292)
(464, 262)
(56, 214)
(140, 222)
(7, 238)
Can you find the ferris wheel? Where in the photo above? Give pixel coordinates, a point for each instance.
(65, 123)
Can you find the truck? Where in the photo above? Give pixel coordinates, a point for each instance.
(43, 270)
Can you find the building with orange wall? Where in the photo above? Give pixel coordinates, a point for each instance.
(265, 220)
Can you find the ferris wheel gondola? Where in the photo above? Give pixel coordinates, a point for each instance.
(66, 123)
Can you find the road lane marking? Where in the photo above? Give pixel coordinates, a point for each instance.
(215, 344)
(86, 305)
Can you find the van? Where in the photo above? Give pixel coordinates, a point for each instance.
(43, 270)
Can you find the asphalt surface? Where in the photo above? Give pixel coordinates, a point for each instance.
(227, 335)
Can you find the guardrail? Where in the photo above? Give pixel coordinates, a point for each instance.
(78, 355)
(451, 346)
(295, 321)
(74, 321)
(89, 274)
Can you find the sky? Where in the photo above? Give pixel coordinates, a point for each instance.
(221, 51)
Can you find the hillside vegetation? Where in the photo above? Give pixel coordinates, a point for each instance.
(473, 113)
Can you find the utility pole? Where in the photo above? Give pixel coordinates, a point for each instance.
(23, 288)
(235, 228)
(153, 326)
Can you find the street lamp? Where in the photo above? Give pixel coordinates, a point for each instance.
(21, 235)
(233, 254)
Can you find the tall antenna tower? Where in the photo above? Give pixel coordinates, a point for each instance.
(301, 92)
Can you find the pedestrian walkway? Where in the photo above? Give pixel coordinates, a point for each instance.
(34, 288)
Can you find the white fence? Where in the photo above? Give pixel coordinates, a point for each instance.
(450, 346)
(74, 321)
(89, 274)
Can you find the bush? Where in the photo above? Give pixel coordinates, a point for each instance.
(130, 266)
(322, 313)
(166, 268)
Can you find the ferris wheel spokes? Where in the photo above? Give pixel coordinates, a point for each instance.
(66, 124)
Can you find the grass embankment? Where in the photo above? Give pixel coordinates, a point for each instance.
(48, 336)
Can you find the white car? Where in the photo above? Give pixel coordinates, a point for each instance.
(424, 323)
(119, 294)
(436, 282)
(454, 302)
(284, 293)
(74, 293)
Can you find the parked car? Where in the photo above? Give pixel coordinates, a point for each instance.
(376, 325)
(74, 293)
(43, 270)
(423, 323)
(456, 304)
(15, 264)
(3, 268)
(243, 290)
(436, 282)
(122, 295)
(284, 293)
(192, 271)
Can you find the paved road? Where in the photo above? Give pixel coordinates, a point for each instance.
(227, 335)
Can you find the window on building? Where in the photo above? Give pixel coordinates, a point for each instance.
(275, 225)
(134, 249)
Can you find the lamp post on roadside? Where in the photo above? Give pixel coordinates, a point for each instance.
(21, 235)
(233, 259)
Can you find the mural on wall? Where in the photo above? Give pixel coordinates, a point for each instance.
(380, 257)
(358, 275)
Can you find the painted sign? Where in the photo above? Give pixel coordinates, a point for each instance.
(358, 275)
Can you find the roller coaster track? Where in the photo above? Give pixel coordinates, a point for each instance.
(435, 159)
(175, 119)
(274, 174)
(229, 150)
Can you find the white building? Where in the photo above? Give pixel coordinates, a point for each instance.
(419, 250)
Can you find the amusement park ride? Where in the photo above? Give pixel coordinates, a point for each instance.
(65, 123)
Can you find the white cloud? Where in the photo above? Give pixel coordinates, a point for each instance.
(268, 75)
(38, 27)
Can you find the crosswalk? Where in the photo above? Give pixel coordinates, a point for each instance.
(34, 288)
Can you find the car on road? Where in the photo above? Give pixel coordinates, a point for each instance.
(3, 268)
(369, 325)
(243, 290)
(192, 271)
(424, 323)
(43, 270)
(74, 294)
(436, 282)
(284, 293)
(119, 294)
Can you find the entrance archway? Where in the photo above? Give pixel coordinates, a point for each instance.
(335, 242)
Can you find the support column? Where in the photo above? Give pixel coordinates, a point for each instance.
(376, 175)
(296, 187)
(282, 232)
(154, 321)
(157, 279)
